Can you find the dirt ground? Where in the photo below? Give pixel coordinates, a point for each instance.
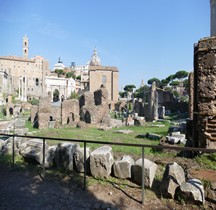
(26, 189)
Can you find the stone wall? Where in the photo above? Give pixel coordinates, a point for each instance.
(204, 114)
(43, 120)
(70, 111)
(98, 111)
(101, 96)
(34, 111)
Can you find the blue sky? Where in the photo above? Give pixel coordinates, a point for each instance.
(143, 38)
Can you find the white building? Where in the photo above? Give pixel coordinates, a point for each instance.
(59, 88)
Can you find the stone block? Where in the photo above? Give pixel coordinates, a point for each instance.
(101, 161)
(33, 149)
(149, 172)
(173, 177)
(193, 191)
(122, 168)
(64, 155)
(79, 159)
(50, 156)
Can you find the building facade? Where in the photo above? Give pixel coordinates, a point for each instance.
(27, 75)
(94, 74)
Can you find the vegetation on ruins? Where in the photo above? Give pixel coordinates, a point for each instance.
(59, 72)
(33, 101)
(171, 83)
(74, 95)
(70, 74)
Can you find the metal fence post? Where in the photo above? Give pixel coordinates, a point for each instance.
(84, 166)
(43, 158)
(143, 174)
(13, 149)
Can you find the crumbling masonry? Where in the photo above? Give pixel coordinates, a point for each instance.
(204, 108)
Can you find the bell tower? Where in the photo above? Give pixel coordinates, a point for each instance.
(25, 47)
(213, 17)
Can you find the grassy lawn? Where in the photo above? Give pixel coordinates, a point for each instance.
(107, 136)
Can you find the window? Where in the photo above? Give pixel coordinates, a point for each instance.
(103, 79)
(37, 81)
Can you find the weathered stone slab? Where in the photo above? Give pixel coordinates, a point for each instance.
(20, 123)
(124, 131)
(79, 159)
(101, 161)
(64, 155)
(152, 136)
(149, 172)
(2, 143)
(33, 149)
(122, 168)
(50, 156)
(173, 177)
(193, 191)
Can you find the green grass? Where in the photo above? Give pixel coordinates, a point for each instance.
(207, 160)
(107, 136)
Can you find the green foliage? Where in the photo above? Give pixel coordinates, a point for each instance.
(176, 93)
(140, 91)
(34, 101)
(78, 77)
(156, 80)
(164, 83)
(174, 83)
(123, 94)
(2, 112)
(13, 100)
(170, 78)
(207, 160)
(108, 136)
(74, 95)
(129, 88)
(59, 72)
(180, 74)
(70, 74)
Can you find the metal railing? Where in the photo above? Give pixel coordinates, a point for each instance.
(142, 146)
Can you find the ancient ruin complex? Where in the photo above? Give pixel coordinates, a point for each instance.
(91, 108)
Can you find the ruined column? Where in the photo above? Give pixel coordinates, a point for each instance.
(204, 109)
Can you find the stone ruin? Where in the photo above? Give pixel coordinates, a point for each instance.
(202, 94)
(156, 102)
(90, 108)
(101, 163)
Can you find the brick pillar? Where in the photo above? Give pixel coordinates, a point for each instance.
(204, 114)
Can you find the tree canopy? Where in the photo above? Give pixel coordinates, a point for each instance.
(156, 80)
(181, 74)
(129, 88)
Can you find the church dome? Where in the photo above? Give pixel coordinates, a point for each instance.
(59, 65)
(95, 60)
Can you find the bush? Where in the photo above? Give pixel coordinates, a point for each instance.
(33, 101)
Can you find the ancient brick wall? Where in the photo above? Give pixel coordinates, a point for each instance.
(43, 120)
(70, 111)
(86, 98)
(205, 93)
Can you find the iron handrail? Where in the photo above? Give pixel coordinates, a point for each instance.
(142, 146)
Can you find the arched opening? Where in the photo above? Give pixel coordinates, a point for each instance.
(70, 118)
(55, 95)
(11, 111)
(87, 117)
